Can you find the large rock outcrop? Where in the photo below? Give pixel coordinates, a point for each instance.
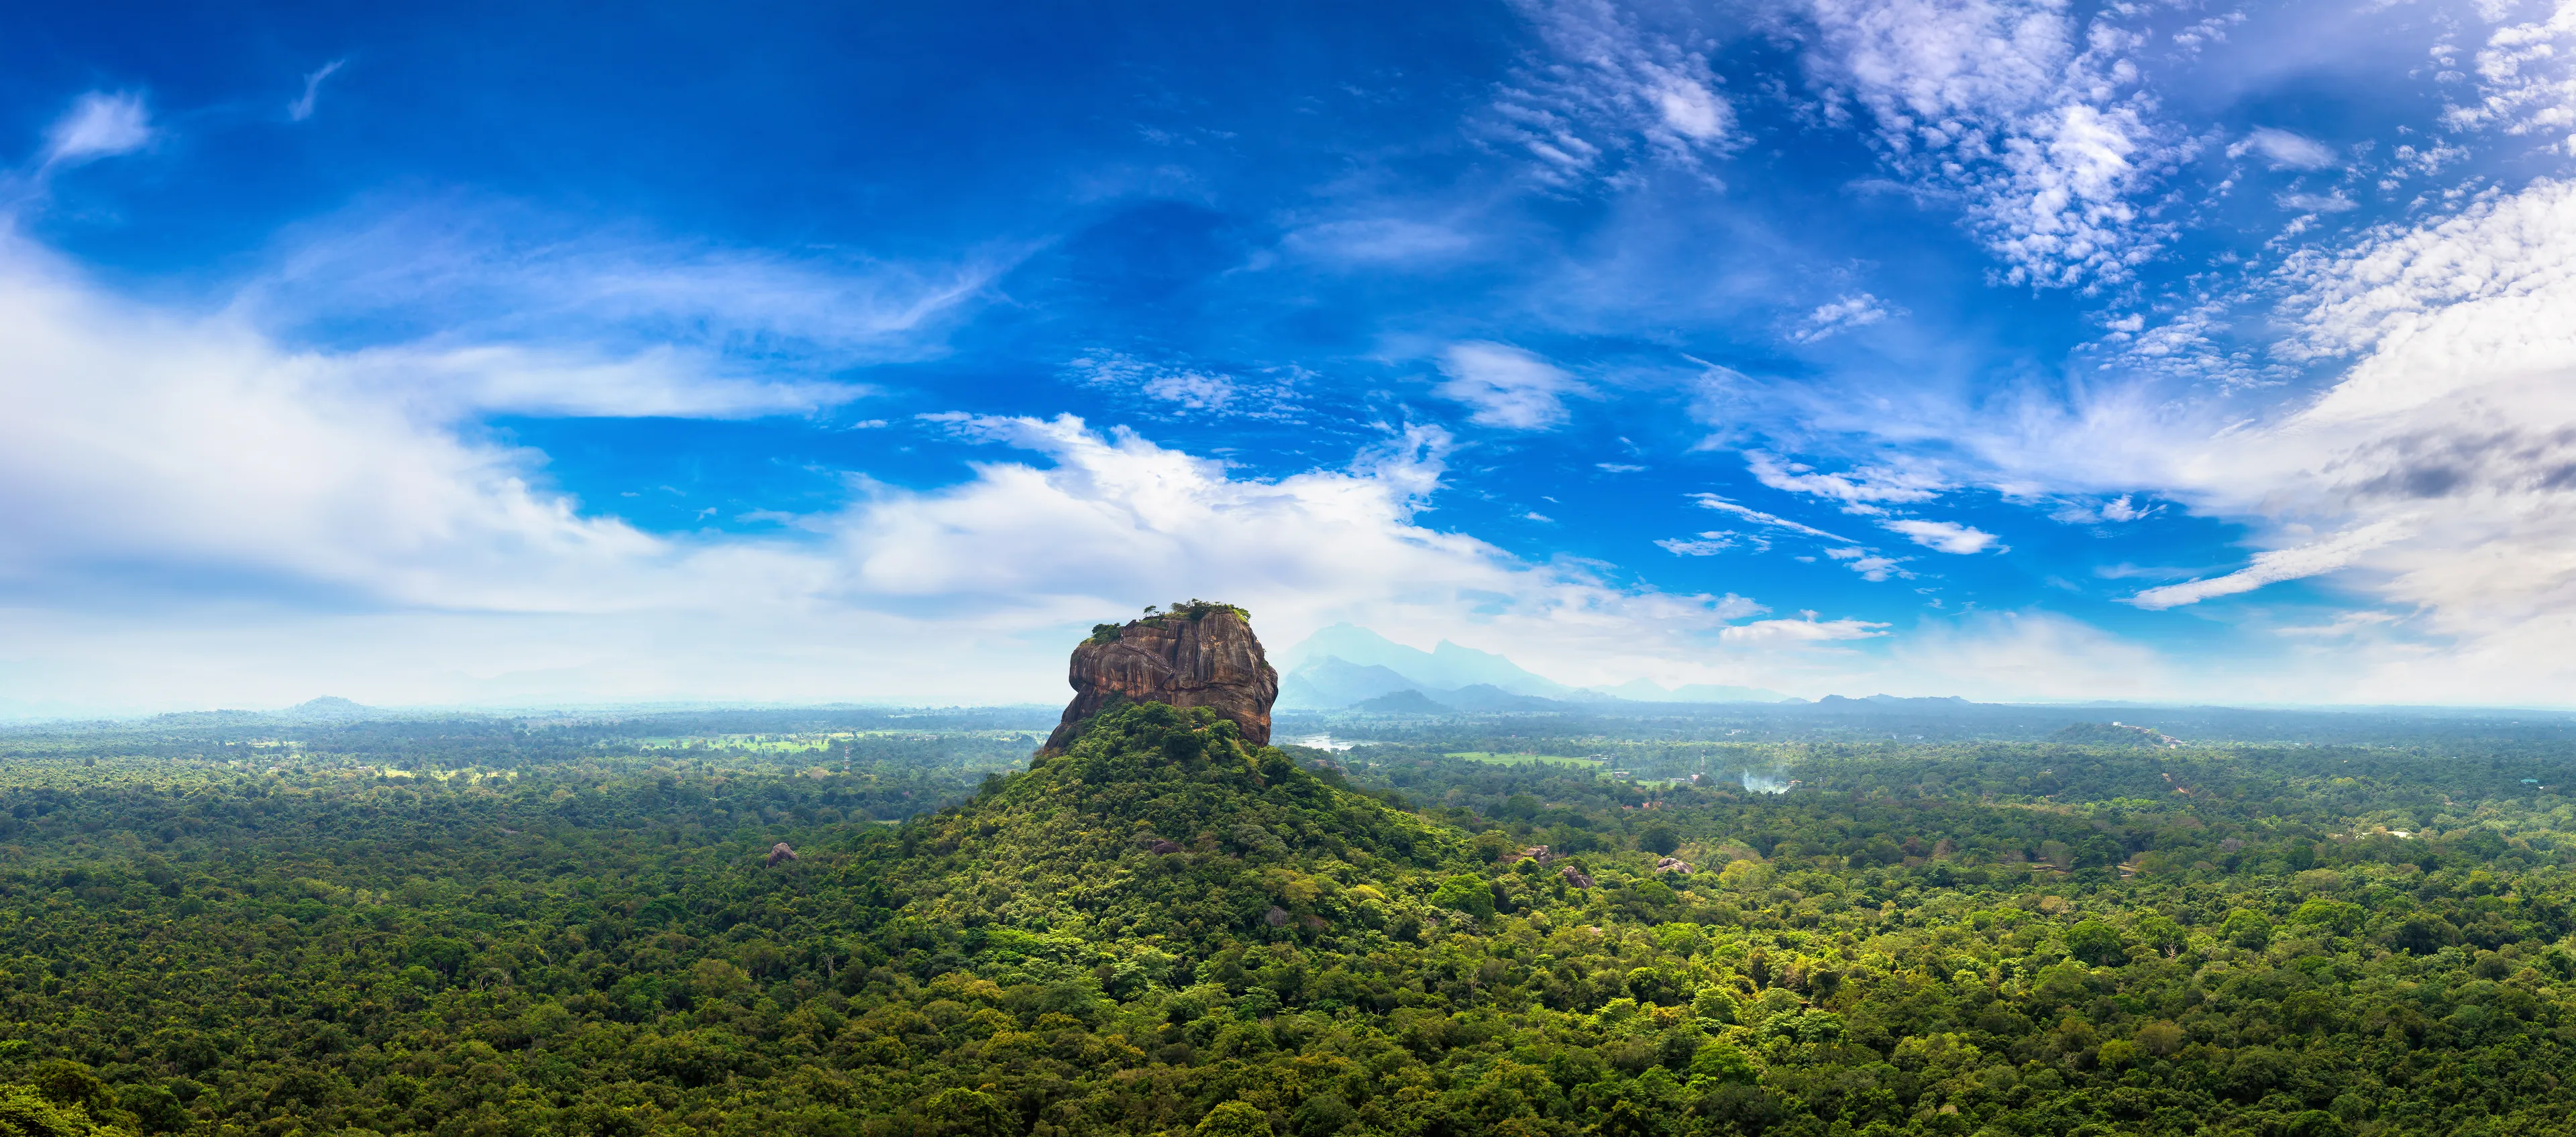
(1197, 655)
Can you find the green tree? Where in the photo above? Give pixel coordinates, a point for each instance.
(2097, 943)
(2246, 929)
(1464, 893)
(966, 1113)
(1659, 839)
(27, 1112)
(1234, 1119)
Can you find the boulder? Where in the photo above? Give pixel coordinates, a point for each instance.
(780, 852)
(1575, 876)
(1197, 655)
(1673, 864)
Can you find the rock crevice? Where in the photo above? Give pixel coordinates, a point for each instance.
(1194, 656)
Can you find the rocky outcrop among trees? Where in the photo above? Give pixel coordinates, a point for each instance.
(1199, 654)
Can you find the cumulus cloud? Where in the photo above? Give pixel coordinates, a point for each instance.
(2431, 470)
(99, 125)
(233, 518)
(2038, 125)
(1943, 536)
(1606, 94)
(1506, 386)
(2527, 78)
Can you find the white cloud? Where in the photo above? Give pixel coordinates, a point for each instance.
(1607, 92)
(1182, 389)
(2285, 150)
(1707, 544)
(1871, 566)
(201, 513)
(477, 273)
(302, 107)
(1382, 240)
(1712, 501)
(99, 125)
(2273, 567)
(2008, 104)
(1858, 310)
(2527, 79)
(2117, 510)
(1943, 536)
(2433, 472)
(1807, 630)
(1508, 387)
(2332, 201)
(1860, 490)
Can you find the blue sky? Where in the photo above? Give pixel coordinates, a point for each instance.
(2013, 350)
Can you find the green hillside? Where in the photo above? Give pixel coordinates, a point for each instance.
(1069, 846)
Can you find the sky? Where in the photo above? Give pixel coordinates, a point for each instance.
(2014, 350)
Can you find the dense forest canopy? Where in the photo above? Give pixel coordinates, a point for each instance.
(336, 924)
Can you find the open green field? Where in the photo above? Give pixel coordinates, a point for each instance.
(1522, 759)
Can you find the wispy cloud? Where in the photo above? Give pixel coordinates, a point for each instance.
(1943, 536)
(2274, 566)
(1607, 93)
(99, 125)
(2331, 201)
(1858, 310)
(1862, 490)
(2123, 508)
(1871, 566)
(302, 107)
(479, 273)
(1806, 630)
(1705, 545)
(1712, 501)
(1182, 389)
(1506, 386)
(2285, 150)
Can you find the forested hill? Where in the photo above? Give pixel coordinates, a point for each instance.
(1160, 826)
(1163, 931)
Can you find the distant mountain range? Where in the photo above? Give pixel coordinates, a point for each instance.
(1347, 666)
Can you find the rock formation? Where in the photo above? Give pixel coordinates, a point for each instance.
(1196, 655)
(780, 852)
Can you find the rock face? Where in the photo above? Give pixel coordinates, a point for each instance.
(1194, 656)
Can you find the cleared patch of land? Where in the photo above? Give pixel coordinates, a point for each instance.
(1522, 759)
